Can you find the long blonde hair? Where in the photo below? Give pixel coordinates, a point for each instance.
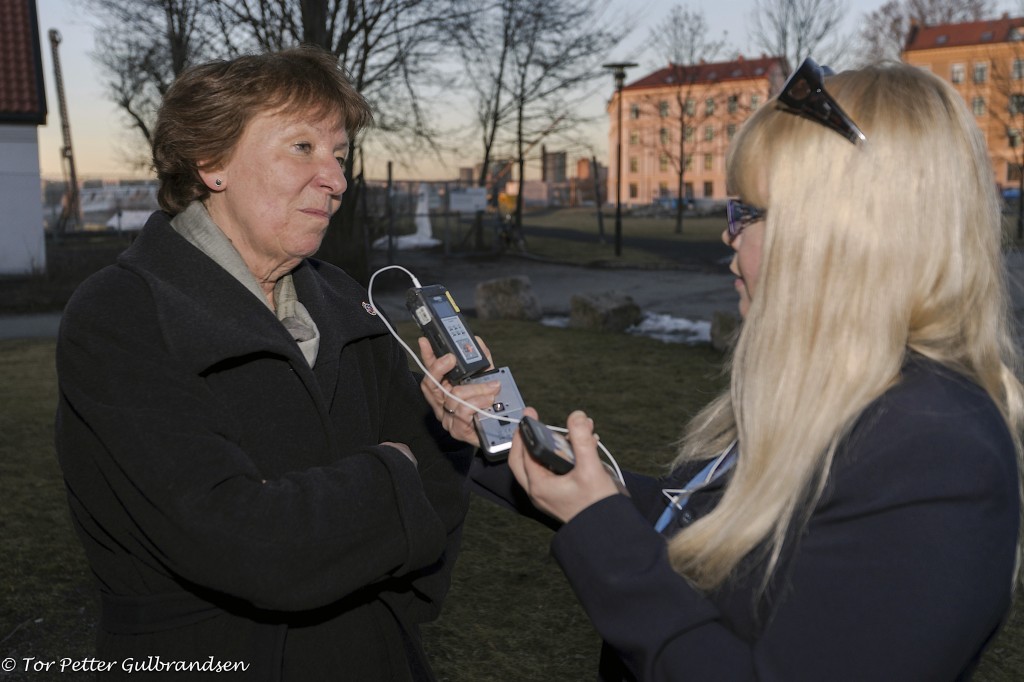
(869, 251)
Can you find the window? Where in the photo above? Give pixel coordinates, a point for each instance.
(663, 163)
(634, 137)
(978, 106)
(730, 131)
(709, 162)
(709, 133)
(733, 104)
(634, 164)
(709, 189)
(1016, 104)
(1018, 69)
(709, 106)
(980, 72)
(691, 106)
(689, 133)
(663, 109)
(957, 73)
(688, 190)
(755, 101)
(662, 189)
(634, 111)
(1013, 135)
(634, 191)
(663, 136)
(689, 162)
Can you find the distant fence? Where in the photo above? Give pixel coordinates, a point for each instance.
(394, 211)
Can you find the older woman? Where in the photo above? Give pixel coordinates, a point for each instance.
(247, 458)
(849, 509)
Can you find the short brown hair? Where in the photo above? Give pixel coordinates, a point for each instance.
(208, 106)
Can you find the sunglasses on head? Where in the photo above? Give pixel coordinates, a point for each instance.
(741, 215)
(804, 95)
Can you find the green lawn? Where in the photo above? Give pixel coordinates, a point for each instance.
(510, 614)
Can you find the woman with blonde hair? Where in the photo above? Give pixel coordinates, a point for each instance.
(849, 508)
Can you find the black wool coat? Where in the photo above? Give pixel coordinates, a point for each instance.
(234, 502)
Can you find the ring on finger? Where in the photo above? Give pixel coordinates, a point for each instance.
(447, 409)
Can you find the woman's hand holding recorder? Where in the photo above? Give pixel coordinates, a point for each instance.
(562, 496)
(456, 418)
(566, 495)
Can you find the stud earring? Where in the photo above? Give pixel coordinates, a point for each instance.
(218, 182)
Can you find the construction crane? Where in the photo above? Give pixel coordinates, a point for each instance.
(71, 211)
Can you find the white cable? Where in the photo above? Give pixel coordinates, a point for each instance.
(414, 355)
(426, 372)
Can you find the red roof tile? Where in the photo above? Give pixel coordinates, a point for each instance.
(1002, 30)
(22, 94)
(716, 72)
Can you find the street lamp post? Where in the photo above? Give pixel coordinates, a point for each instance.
(619, 74)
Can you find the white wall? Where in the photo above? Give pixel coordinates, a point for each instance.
(22, 242)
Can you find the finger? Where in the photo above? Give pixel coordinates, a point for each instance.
(461, 429)
(583, 439)
(426, 351)
(517, 455)
(436, 368)
(486, 350)
(482, 394)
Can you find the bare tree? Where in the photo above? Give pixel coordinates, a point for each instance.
(1006, 108)
(884, 31)
(142, 47)
(557, 54)
(684, 40)
(528, 65)
(484, 43)
(386, 46)
(796, 29)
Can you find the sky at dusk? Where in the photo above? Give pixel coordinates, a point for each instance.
(99, 142)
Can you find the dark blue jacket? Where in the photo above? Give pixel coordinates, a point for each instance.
(903, 571)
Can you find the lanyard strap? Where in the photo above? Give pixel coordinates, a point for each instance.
(678, 497)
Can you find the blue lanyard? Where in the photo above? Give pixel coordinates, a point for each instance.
(679, 497)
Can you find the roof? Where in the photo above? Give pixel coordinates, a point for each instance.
(1003, 30)
(22, 93)
(711, 72)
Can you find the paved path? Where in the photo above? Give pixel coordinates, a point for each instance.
(694, 291)
(681, 292)
(36, 325)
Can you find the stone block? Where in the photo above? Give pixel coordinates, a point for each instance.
(609, 311)
(508, 298)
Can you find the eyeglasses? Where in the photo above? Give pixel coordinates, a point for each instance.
(741, 215)
(804, 95)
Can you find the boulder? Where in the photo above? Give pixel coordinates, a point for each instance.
(610, 311)
(508, 298)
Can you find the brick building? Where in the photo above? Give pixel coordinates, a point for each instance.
(984, 60)
(685, 115)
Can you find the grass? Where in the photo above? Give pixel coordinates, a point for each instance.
(547, 230)
(510, 614)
